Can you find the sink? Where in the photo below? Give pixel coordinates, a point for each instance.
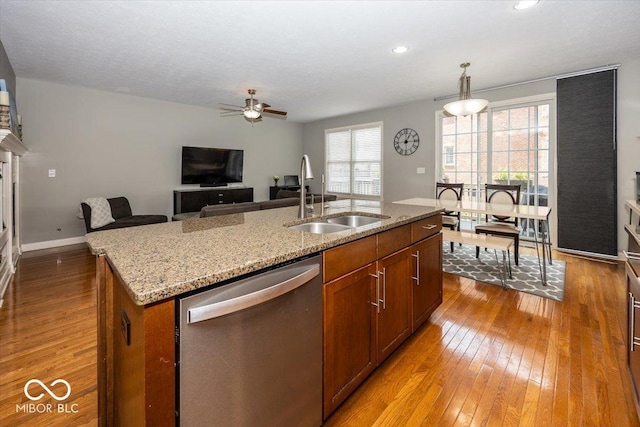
(354, 220)
(320, 227)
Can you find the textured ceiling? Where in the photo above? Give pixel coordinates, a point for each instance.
(312, 59)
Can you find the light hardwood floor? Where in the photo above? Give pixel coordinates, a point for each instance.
(486, 356)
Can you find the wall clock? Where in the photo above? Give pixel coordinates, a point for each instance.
(406, 141)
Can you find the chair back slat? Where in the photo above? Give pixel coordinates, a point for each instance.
(503, 194)
(449, 191)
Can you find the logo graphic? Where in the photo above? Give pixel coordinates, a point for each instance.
(51, 393)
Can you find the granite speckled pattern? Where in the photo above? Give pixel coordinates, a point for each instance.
(161, 261)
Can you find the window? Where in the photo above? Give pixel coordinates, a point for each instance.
(448, 156)
(354, 160)
(508, 144)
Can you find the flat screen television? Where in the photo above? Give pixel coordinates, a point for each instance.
(211, 167)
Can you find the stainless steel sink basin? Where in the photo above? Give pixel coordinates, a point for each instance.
(320, 227)
(354, 220)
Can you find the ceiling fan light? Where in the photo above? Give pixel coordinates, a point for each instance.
(466, 107)
(251, 114)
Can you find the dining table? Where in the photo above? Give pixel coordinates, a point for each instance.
(540, 213)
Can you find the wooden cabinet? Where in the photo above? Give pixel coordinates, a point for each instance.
(349, 331)
(633, 329)
(427, 281)
(371, 304)
(194, 200)
(394, 302)
(632, 268)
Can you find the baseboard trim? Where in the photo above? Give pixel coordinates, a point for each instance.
(27, 247)
(590, 255)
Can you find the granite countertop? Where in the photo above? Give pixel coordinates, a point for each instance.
(161, 261)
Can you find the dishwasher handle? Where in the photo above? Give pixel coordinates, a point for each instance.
(221, 308)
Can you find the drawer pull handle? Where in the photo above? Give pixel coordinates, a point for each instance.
(417, 257)
(633, 305)
(375, 304)
(384, 288)
(429, 227)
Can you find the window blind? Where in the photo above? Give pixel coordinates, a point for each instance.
(353, 160)
(587, 163)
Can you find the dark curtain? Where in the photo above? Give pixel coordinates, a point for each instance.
(587, 211)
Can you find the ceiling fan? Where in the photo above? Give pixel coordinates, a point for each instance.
(253, 111)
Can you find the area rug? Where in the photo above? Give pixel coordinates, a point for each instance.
(526, 276)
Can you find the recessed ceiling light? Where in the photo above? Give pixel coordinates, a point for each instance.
(400, 49)
(525, 4)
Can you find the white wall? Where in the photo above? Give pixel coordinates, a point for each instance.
(400, 179)
(628, 140)
(109, 144)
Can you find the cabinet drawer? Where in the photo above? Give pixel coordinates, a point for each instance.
(426, 227)
(217, 197)
(393, 240)
(348, 257)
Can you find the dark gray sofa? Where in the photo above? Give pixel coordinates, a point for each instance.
(284, 198)
(121, 212)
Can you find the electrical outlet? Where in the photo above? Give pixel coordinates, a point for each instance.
(52, 173)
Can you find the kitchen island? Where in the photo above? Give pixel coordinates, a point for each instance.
(141, 272)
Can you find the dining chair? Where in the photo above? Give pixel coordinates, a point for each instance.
(501, 225)
(447, 191)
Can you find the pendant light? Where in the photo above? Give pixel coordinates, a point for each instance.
(465, 105)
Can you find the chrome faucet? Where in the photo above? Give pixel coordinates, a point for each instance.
(322, 196)
(305, 173)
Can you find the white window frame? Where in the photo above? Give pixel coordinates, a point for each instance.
(352, 186)
(549, 98)
(449, 155)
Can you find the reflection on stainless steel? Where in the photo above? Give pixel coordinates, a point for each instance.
(250, 352)
(354, 220)
(339, 222)
(305, 173)
(320, 227)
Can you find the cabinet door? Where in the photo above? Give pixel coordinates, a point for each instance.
(240, 195)
(427, 279)
(394, 317)
(349, 335)
(193, 201)
(633, 328)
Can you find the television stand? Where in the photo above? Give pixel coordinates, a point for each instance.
(273, 190)
(194, 200)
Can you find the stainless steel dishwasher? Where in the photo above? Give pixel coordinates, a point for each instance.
(250, 352)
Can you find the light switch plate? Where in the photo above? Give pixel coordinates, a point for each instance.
(421, 171)
(52, 173)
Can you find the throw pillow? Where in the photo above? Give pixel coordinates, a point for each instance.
(100, 211)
